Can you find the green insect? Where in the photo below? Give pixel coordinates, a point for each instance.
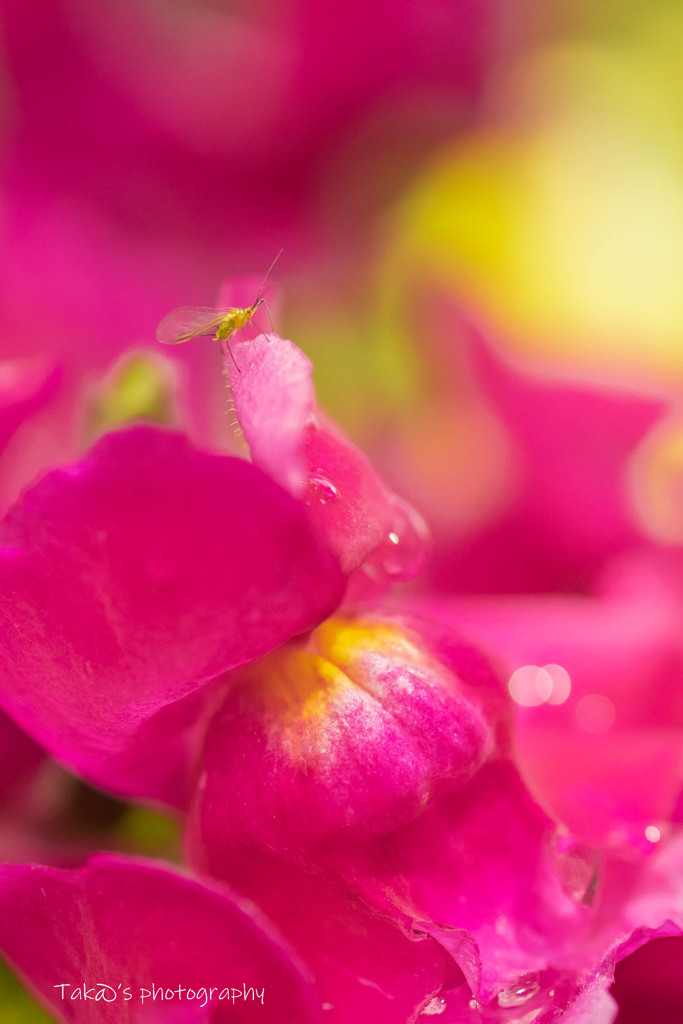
(190, 322)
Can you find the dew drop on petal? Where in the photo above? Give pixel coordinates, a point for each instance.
(652, 834)
(520, 992)
(579, 867)
(322, 490)
(402, 554)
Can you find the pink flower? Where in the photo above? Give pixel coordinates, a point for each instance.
(156, 568)
(172, 628)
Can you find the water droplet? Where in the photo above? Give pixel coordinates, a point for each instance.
(526, 1000)
(652, 834)
(579, 866)
(435, 1007)
(322, 490)
(402, 553)
(520, 992)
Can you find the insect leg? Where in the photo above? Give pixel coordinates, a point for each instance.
(225, 346)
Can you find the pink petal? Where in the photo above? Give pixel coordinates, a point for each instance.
(605, 752)
(594, 1005)
(365, 968)
(134, 578)
(272, 388)
(476, 872)
(639, 900)
(135, 923)
(649, 983)
(567, 507)
(373, 531)
(288, 436)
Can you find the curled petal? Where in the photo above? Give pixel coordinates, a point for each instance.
(134, 578)
(122, 925)
(274, 399)
(288, 436)
(372, 530)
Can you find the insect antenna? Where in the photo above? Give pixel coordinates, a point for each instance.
(270, 319)
(265, 278)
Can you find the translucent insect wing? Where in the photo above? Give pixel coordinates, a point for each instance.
(189, 322)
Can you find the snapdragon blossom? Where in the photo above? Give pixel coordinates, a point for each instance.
(209, 632)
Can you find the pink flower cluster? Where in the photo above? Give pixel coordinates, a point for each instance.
(378, 826)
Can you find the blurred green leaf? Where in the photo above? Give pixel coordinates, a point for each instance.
(16, 1006)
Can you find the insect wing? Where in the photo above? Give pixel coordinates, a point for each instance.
(189, 322)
